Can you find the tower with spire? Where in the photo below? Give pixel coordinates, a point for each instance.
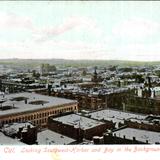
(95, 75)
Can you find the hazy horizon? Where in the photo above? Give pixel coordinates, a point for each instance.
(63, 59)
(81, 30)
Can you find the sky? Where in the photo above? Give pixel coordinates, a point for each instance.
(102, 30)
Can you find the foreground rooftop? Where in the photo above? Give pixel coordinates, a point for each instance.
(140, 135)
(5, 140)
(52, 138)
(78, 121)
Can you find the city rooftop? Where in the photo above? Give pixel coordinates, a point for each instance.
(23, 102)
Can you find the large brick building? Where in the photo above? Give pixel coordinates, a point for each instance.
(87, 99)
(144, 104)
(22, 107)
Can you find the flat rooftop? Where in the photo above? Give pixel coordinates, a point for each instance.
(78, 121)
(115, 116)
(140, 135)
(15, 103)
(52, 138)
(5, 140)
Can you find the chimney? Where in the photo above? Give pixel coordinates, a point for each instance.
(28, 127)
(20, 129)
(154, 93)
(149, 82)
(134, 138)
(19, 132)
(96, 140)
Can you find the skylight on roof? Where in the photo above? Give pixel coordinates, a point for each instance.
(6, 107)
(19, 98)
(38, 102)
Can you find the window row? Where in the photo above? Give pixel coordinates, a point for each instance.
(37, 115)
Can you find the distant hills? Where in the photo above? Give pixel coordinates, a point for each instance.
(75, 63)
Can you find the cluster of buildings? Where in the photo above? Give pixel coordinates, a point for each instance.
(94, 105)
(19, 109)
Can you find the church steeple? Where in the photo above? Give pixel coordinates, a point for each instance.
(95, 75)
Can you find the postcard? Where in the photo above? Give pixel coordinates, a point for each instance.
(79, 80)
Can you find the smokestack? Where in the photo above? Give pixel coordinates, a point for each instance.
(149, 82)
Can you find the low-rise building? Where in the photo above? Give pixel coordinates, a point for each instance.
(48, 137)
(132, 136)
(116, 116)
(25, 132)
(150, 123)
(5, 140)
(78, 127)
